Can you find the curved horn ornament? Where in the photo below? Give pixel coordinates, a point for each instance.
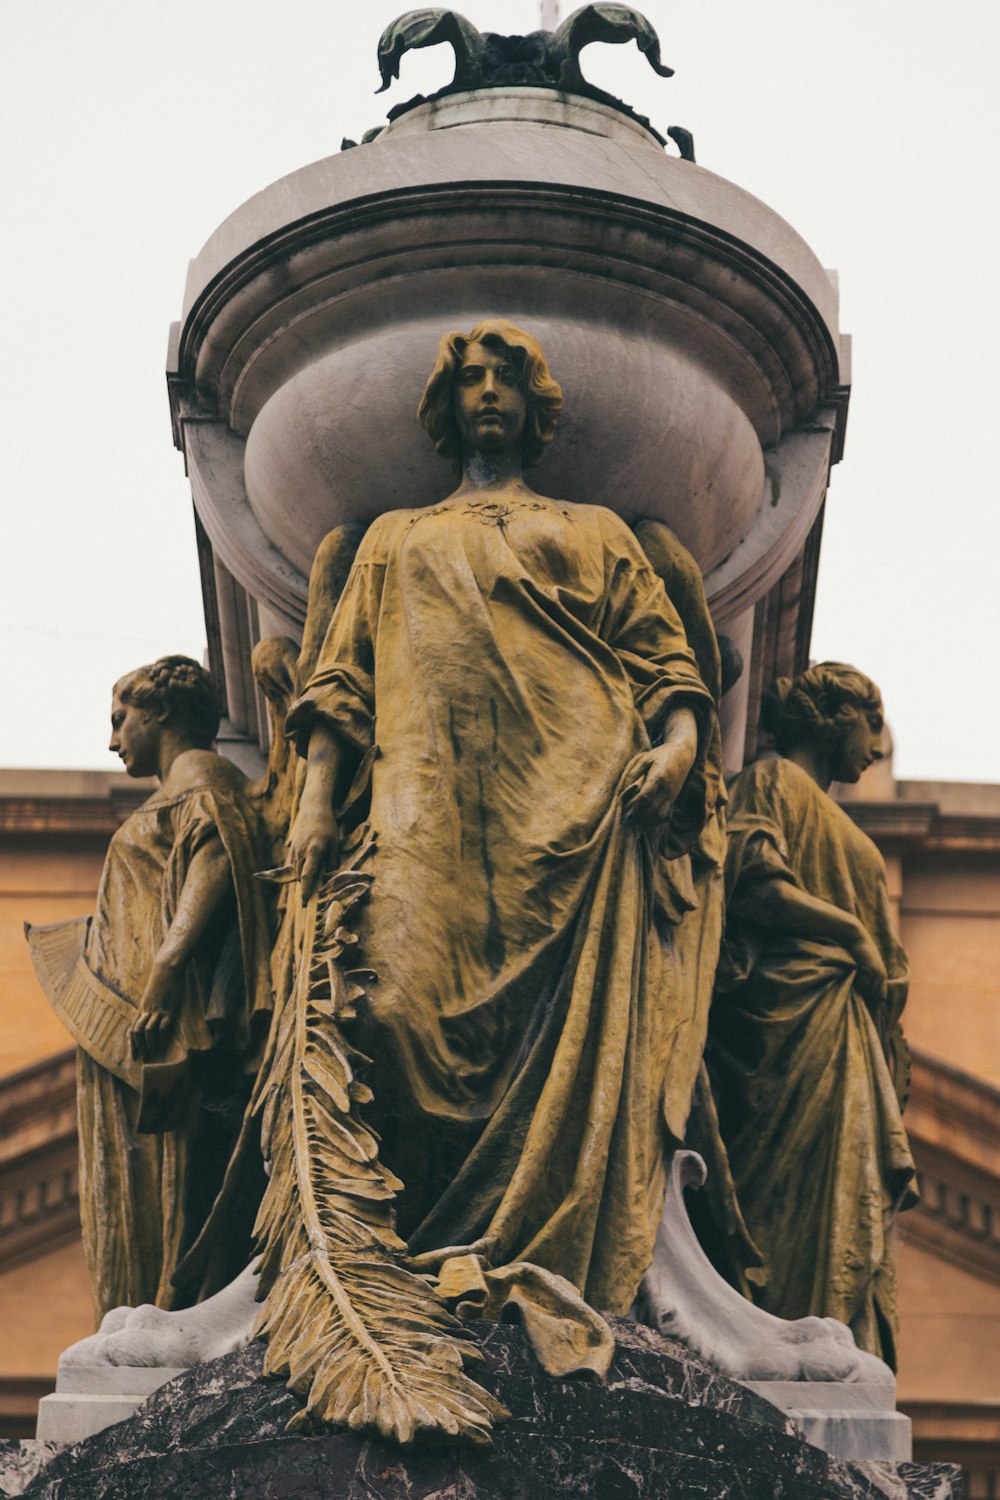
(605, 23)
(426, 28)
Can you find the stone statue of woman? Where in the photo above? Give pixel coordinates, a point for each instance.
(168, 1001)
(508, 715)
(806, 1054)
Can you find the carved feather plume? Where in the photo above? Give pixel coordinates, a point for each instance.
(370, 1344)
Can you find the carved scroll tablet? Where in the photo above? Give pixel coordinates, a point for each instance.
(95, 1015)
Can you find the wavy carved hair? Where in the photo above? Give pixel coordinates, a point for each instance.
(819, 706)
(543, 394)
(178, 688)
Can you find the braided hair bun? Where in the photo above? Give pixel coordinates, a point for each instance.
(818, 706)
(176, 688)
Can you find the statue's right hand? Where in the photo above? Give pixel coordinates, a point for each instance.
(313, 844)
(873, 979)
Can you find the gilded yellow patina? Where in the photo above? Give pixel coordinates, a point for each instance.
(168, 1001)
(807, 1058)
(506, 699)
(524, 1010)
(144, 1192)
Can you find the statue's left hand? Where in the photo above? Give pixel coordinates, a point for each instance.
(149, 1033)
(655, 777)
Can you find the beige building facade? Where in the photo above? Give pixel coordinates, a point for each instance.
(54, 830)
(941, 842)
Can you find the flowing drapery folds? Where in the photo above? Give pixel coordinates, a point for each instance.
(157, 1139)
(494, 667)
(805, 1072)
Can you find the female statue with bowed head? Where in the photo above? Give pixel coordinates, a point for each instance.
(806, 1054)
(169, 998)
(510, 674)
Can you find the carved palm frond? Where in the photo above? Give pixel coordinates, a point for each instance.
(425, 28)
(370, 1344)
(605, 23)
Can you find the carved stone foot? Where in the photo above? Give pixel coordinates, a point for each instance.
(103, 1379)
(147, 1336)
(841, 1397)
(684, 1297)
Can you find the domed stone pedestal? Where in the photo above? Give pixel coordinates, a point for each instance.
(694, 332)
(664, 1424)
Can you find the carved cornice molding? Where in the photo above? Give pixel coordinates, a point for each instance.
(348, 265)
(335, 277)
(55, 816)
(903, 826)
(953, 1121)
(955, 1111)
(39, 1184)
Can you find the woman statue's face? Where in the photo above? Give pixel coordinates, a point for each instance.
(490, 405)
(860, 746)
(135, 737)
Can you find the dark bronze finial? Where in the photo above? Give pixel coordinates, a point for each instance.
(605, 23)
(683, 140)
(425, 28)
(542, 59)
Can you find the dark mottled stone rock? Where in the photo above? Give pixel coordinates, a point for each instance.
(21, 1459)
(931, 1481)
(664, 1424)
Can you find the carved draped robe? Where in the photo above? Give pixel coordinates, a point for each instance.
(154, 1149)
(809, 1079)
(495, 666)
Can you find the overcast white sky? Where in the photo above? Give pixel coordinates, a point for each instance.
(131, 128)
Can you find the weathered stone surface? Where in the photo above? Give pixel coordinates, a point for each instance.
(20, 1461)
(664, 1424)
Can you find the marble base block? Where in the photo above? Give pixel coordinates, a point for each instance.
(89, 1398)
(852, 1421)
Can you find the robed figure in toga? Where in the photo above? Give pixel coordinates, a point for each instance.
(506, 696)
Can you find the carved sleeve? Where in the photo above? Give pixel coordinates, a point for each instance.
(644, 630)
(341, 690)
